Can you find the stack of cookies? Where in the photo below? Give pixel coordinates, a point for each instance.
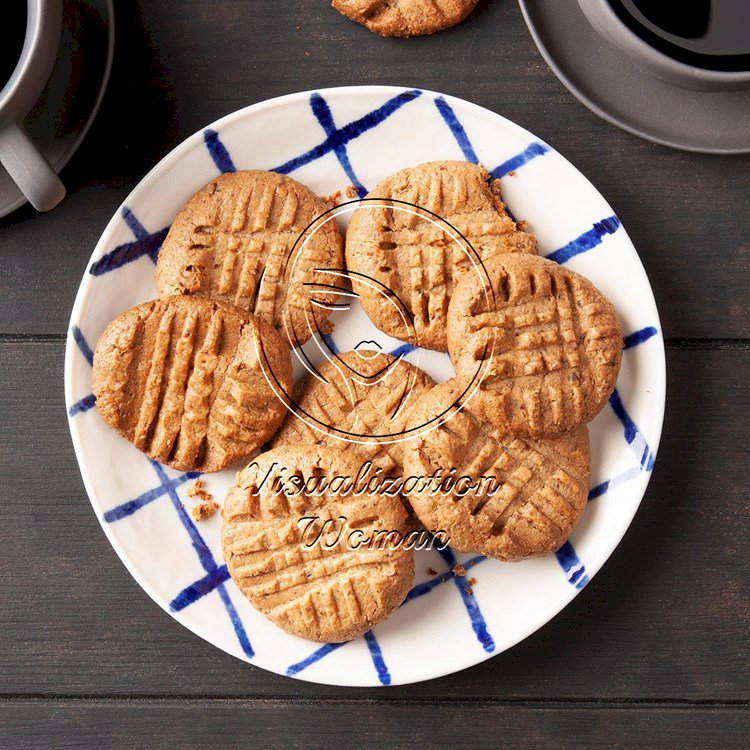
(200, 378)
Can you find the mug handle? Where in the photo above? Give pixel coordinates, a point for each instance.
(28, 168)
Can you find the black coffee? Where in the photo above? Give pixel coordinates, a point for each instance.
(712, 34)
(12, 33)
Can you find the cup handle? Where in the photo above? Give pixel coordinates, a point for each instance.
(28, 168)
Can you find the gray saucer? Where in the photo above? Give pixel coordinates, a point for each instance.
(67, 107)
(604, 79)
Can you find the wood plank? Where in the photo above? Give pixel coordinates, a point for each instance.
(666, 619)
(183, 63)
(186, 724)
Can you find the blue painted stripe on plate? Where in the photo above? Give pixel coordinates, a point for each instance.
(610, 484)
(330, 343)
(350, 131)
(234, 618)
(479, 626)
(82, 344)
(377, 658)
(402, 350)
(634, 437)
(131, 506)
(199, 545)
(129, 252)
(638, 337)
(139, 231)
(457, 129)
(571, 564)
(198, 589)
(510, 165)
(218, 151)
(323, 114)
(586, 241)
(79, 407)
(314, 656)
(426, 586)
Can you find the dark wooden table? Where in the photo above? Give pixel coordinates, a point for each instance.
(653, 653)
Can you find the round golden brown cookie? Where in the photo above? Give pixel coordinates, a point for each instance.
(184, 380)
(548, 345)
(522, 497)
(250, 238)
(356, 402)
(415, 259)
(405, 17)
(333, 589)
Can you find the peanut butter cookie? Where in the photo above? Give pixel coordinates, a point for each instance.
(405, 17)
(186, 380)
(521, 498)
(251, 238)
(417, 254)
(333, 588)
(547, 342)
(356, 402)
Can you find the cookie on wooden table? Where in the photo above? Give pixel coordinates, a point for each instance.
(546, 340)
(250, 238)
(356, 402)
(405, 17)
(324, 591)
(185, 380)
(412, 254)
(529, 493)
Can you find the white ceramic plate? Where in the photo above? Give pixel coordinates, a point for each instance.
(330, 140)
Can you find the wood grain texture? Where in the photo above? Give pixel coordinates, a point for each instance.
(665, 620)
(236, 724)
(180, 65)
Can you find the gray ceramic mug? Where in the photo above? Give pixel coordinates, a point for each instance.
(608, 24)
(18, 153)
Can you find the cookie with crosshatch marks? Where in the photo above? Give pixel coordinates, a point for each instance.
(185, 380)
(251, 238)
(356, 402)
(327, 590)
(528, 494)
(405, 17)
(417, 254)
(547, 342)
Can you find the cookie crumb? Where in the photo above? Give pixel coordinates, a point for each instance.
(458, 570)
(203, 510)
(521, 225)
(471, 581)
(512, 173)
(351, 192)
(327, 327)
(198, 490)
(431, 571)
(333, 198)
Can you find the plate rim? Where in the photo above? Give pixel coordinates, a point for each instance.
(638, 486)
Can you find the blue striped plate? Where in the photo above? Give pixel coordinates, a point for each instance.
(330, 140)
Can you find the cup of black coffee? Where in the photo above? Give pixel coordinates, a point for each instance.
(29, 43)
(695, 44)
